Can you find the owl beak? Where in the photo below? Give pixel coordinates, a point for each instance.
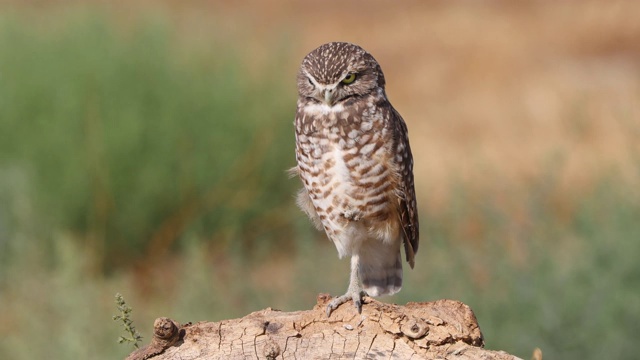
(328, 96)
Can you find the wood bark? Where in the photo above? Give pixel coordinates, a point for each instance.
(443, 329)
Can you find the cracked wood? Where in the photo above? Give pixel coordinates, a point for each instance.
(432, 330)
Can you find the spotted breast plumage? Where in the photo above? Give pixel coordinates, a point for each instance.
(355, 163)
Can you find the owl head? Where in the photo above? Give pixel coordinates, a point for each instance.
(337, 71)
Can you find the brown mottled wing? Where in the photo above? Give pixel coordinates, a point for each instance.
(407, 193)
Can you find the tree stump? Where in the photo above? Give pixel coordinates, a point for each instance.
(443, 329)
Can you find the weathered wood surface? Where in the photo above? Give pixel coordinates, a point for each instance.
(443, 329)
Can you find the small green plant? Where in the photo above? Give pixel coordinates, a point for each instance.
(132, 336)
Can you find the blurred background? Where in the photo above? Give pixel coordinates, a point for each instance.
(144, 144)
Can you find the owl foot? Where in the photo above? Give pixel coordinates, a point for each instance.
(357, 297)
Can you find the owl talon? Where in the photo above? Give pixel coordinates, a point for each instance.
(330, 307)
(356, 297)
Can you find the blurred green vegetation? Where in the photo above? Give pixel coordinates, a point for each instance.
(123, 137)
(131, 163)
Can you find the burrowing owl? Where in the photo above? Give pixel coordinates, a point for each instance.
(355, 164)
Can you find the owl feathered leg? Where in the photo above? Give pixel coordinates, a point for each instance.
(354, 292)
(380, 267)
(376, 270)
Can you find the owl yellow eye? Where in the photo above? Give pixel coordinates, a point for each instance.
(349, 79)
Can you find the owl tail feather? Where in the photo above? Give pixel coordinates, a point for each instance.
(380, 269)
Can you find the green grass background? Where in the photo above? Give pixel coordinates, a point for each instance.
(132, 163)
